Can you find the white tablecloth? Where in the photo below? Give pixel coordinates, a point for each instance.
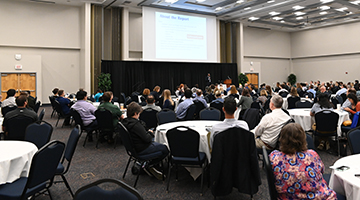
(96, 104)
(345, 182)
(15, 160)
(285, 102)
(198, 125)
(302, 117)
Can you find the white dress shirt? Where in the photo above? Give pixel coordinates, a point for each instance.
(9, 102)
(226, 124)
(270, 126)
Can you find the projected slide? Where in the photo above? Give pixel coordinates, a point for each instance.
(180, 37)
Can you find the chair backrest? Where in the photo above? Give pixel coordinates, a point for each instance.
(292, 101)
(339, 99)
(303, 104)
(16, 127)
(126, 139)
(93, 191)
(219, 106)
(179, 136)
(326, 122)
(44, 164)
(343, 96)
(269, 175)
(59, 109)
(354, 140)
(190, 112)
(199, 106)
(252, 116)
(52, 101)
(310, 142)
(7, 109)
(104, 119)
(267, 105)
(210, 114)
(37, 106)
(39, 133)
(71, 146)
(41, 115)
(334, 101)
(77, 118)
(134, 97)
(166, 116)
(283, 94)
(309, 95)
(149, 117)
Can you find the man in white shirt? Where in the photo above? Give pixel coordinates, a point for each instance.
(342, 90)
(10, 99)
(268, 130)
(229, 108)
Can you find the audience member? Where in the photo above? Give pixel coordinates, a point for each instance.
(268, 90)
(198, 97)
(298, 172)
(347, 103)
(233, 92)
(145, 93)
(183, 106)
(156, 93)
(312, 91)
(268, 130)
(31, 100)
(116, 112)
(55, 92)
(150, 103)
(65, 106)
(218, 97)
(245, 101)
(342, 90)
(263, 97)
(10, 99)
(98, 95)
(168, 102)
(355, 105)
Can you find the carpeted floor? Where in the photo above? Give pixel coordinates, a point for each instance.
(90, 164)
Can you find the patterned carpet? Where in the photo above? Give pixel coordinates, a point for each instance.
(90, 164)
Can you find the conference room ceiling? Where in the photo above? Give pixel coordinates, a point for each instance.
(285, 15)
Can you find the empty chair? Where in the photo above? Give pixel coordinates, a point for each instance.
(292, 101)
(269, 175)
(41, 115)
(71, 144)
(104, 119)
(252, 116)
(199, 106)
(303, 104)
(149, 117)
(354, 140)
(190, 112)
(210, 114)
(188, 154)
(52, 101)
(38, 133)
(7, 109)
(166, 116)
(93, 191)
(219, 106)
(37, 106)
(41, 174)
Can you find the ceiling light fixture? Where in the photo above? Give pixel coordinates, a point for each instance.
(298, 7)
(247, 8)
(253, 18)
(273, 13)
(171, 1)
(298, 18)
(299, 13)
(277, 18)
(324, 7)
(323, 13)
(282, 21)
(326, 1)
(271, 1)
(342, 9)
(355, 2)
(200, 1)
(240, 1)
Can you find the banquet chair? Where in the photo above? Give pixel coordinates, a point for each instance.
(334, 101)
(93, 191)
(143, 160)
(210, 114)
(78, 121)
(165, 116)
(104, 119)
(149, 117)
(41, 115)
(292, 101)
(199, 106)
(283, 94)
(219, 106)
(343, 96)
(269, 175)
(252, 116)
(346, 129)
(60, 113)
(52, 101)
(303, 104)
(38, 133)
(309, 95)
(326, 125)
(185, 155)
(353, 137)
(41, 174)
(37, 106)
(71, 144)
(7, 109)
(16, 127)
(190, 112)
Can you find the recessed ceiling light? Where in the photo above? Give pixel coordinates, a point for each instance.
(298, 18)
(247, 8)
(271, 1)
(323, 13)
(240, 1)
(299, 13)
(171, 1)
(282, 21)
(200, 1)
(355, 2)
(342, 9)
(277, 18)
(273, 13)
(326, 1)
(324, 7)
(298, 7)
(253, 18)
(218, 8)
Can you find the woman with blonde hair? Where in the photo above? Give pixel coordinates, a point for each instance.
(168, 102)
(263, 97)
(233, 92)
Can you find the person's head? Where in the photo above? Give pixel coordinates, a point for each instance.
(292, 139)
(233, 89)
(322, 89)
(28, 92)
(188, 93)
(245, 92)
(276, 102)
(21, 100)
(311, 86)
(268, 89)
(61, 93)
(133, 110)
(55, 91)
(218, 94)
(146, 91)
(81, 95)
(277, 84)
(263, 93)
(343, 86)
(356, 81)
(323, 100)
(229, 106)
(157, 88)
(10, 93)
(282, 86)
(351, 91)
(150, 99)
(198, 93)
(293, 92)
(208, 74)
(107, 96)
(352, 98)
(98, 90)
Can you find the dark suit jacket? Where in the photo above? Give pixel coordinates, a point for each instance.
(234, 163)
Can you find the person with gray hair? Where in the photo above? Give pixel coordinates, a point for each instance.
(268, 130)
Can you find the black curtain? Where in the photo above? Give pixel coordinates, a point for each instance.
(130, 76)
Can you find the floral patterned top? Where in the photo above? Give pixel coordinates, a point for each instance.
(299, 176)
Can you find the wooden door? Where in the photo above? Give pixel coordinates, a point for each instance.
(19, 82)
(253, 79)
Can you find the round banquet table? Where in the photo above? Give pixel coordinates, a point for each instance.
(345, 182)
(201, 126)
(15, 159)
(302, 117)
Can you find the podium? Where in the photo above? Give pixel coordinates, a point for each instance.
(228, 82)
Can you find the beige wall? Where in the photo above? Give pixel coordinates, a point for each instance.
(135, 35)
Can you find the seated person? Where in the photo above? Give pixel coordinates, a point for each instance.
(218, 97)
(98, 95)
(31, 100)
(65, 106)
(156, 93)
(143, 139)
(229, 109)
(268, 130)
(233, 92)
(150, 103)
(297, 170)
(245, 101)
(168, 102)
(198, 97)
(86, 111)
(55, 92)
(347, 103)
(311, 89)
(355, 105)
(10, 99)
(21, 110)
(263, 97)
(183, 106)
(342, 90)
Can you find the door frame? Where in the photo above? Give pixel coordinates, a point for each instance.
(36, 79)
